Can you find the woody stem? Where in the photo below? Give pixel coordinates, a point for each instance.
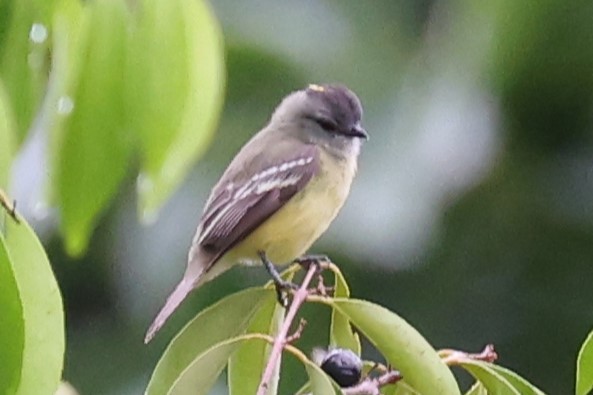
(280, 341)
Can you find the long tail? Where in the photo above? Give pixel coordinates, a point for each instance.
(174, 300)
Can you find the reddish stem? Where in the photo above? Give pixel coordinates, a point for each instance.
(280, 341)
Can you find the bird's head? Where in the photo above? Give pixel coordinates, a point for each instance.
(327, 115)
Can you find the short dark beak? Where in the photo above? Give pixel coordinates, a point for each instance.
(358, 131)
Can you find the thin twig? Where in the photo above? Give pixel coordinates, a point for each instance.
(298, 299)
(372, 386)
(9, 206)
(321, 288)
(297, 334)
(455, 357)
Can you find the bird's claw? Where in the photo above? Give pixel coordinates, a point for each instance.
(307, 260)
(283, 289)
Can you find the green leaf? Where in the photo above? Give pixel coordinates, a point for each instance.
(493, 381)
(400, 343)
(497, 379)
(227, 318)
(477, 389)
(6, 137)
(319, 382)
(585, 367)
(176, 78)
(341, 333)
(23, 61)
(43, 314)
(69, 40)
(202, 372)
(399, 388)
(96, 146)
(248, 363)
(304, 389)
(12, 325)
(519, 383)
(6, 10)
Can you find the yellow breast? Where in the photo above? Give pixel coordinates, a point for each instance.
(290, 232)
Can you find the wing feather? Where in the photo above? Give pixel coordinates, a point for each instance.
(239, 208)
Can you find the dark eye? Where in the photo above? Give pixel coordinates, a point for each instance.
(327, 124)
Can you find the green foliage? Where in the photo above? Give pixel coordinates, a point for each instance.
(401, 345)
(6, 136)
(498, 380)
(69, 39)
(118, 80)
(341, 333)
(95, 129)
(247, 364)
(12, 326)
(24, 58)
(585, 367)
(238, 331)
(32, 330)
(477, 389)
(319, 382)
(401, 388)
(224, 320)
(201, 374)
(186, 102)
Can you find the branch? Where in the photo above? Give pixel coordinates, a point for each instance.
(455, 357)
(9, 206)
(280, 341)
(371, 386)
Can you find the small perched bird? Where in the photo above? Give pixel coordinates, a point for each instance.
(281, 191)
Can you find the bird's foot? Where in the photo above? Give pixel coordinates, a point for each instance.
(316, 259)
(282, 286)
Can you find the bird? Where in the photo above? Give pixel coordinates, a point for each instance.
(280, 192)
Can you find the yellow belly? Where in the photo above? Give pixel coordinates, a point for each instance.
(290, 232)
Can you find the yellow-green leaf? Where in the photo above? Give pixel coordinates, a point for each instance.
(493, 381)
(6, 137)
(585, 367)
(23, 61)
(399, 388)
(403, 347)
(519, 383)
(496, 378)
(41, 303)
(69, 40)
(96, 145)
(248, 363)
(12, 325)
(319, 382)
(201, 373)
(6, 10)
(341, 333)
(477, 389)
(174, 93)
(223, 320)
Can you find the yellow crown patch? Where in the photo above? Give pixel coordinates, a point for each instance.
(316, 88)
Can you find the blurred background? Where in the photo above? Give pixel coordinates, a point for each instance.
(472, 214)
